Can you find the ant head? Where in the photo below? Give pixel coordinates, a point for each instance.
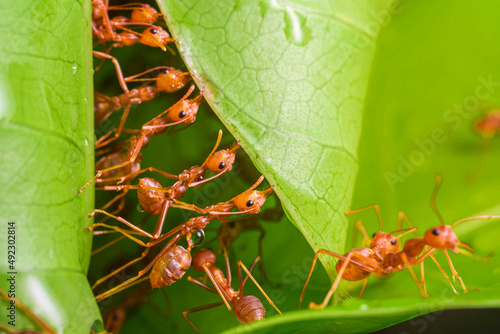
(156, 37)
(222, 161)
(385, 242)
(170, 80)
(441, 237)
(98, 10)
(249, 309)
(252, 201)
(186, 110)
(203, 256)
(145, 14)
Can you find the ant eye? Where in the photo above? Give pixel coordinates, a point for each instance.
(182, 114)
(198, 237)
(393, 242)
(153, 31)
(222, 165)
(435, 232)
(249, 203)
(164, 71)
(373, 235)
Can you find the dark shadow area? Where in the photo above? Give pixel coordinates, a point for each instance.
(482, 321)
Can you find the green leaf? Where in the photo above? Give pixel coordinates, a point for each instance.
(288, 79)
(46, 155)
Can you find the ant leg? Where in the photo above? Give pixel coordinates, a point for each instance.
(439, 181)
(373, 206)
(188, 206)
(315, 259)
(335, 284)
(128, 283)
(105, 278)
(241, 265)
(117, 132)
(363, 288)
(161, 220)
(120, 219)
(259, 247)
(201, 308)
(219, 289)
(414, 276)
(119, 73)
(442, 272)
(149, 169)
(422, 278)
(200, 284)
(366, 239)
(100, 249)
(135, 153)
(403, 217)
(228, 266)
(454, 272)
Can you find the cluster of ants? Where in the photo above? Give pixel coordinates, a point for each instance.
(119, 163)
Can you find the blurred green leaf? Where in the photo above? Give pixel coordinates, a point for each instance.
(46, 155)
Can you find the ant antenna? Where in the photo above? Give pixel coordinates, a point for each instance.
(219, 138)
(439, 181)
(473, 218)
(373, 206)
(395, 237)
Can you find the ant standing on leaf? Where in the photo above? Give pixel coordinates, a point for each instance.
(359, 263)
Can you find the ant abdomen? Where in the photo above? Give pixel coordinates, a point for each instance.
(170, 267)
(249, 309)
(151, 200)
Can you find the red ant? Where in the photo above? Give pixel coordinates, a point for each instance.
(246, 308)
(182, 112)
(250, 204)
(390, 246)
(103, 28)
(168, 80)
(488, 126)
(355, 265)
(359, 263)
(140, 12)
(438, 237)
(228, 233)
(152, 195)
